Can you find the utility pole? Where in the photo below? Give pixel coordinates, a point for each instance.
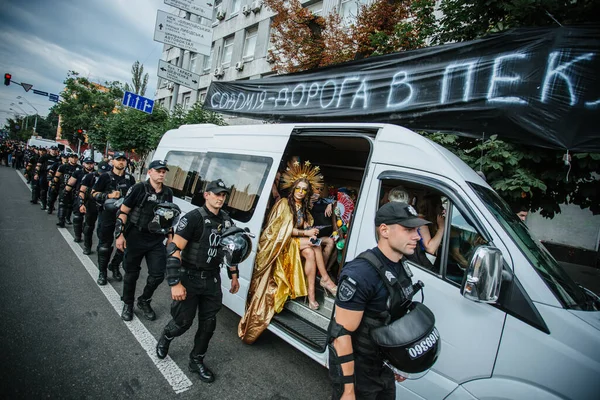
(36, 112)
(179, 64)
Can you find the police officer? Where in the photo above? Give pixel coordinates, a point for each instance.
(374, 293)
(42, 168)
(193, 262)
(72, 192)
(88, 206)
(143, 239)
(109, 188)
(31, 177)
(53, 186)
(61, 180)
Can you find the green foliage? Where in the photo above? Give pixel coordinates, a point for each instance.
(195, 115)
(536, 178)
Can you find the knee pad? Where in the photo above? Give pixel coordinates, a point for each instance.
(77, 219)
(104, 249)
(172, 329)
(207, 326)
(155, 280)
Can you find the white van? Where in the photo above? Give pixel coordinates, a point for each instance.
(47, 143)
(540, 339)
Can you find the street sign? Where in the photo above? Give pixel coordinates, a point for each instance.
(53, 97)
(178, 75)
(26, 86)
(198, 7)
(182, 33)
(138, 102)
(40, 92)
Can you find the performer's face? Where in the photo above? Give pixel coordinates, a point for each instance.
(300, 191)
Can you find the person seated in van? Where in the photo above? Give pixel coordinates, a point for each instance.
(430, 208)
(278, 271)
(324, 219)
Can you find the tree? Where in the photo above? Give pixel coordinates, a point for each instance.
(139, 80)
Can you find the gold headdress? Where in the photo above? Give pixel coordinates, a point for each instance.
(295, 171)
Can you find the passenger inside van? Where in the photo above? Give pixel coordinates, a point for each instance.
(430, 208)
(324, 218)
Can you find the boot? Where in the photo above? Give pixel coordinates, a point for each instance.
(144, 305)
(103, 257)
(77, 227)
(127, 314)
(114, 268)
(61, 216)
(43, 200)
(162, 347)
(88, 232)
(68, 213)
(197, 366)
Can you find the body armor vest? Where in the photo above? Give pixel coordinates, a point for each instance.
(69, 170)
(206, 253)
(48, 162)
(120, 183)
(143, 212)
(399, 290)
(88, 193)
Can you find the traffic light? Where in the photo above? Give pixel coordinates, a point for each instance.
(7, 78)
(80, 131)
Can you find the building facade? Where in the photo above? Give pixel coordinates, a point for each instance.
(240, 44)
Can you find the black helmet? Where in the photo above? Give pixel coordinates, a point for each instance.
(113, 205)
(411, 344)
(236, 244)
(166, 215)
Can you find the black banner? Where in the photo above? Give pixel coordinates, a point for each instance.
(537, 86)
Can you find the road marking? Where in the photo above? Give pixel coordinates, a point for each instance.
(167, 367)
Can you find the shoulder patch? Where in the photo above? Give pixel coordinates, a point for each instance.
(347, 289)
(129, 191)
(182, 223)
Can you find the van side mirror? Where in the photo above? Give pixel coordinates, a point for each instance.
(483, 277)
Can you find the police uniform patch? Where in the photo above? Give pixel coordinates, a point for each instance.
(182, 224)
(347, 289)
(129, 191)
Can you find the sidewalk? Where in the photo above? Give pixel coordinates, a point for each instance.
(586, 276)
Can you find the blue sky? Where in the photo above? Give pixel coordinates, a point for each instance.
(43, 39)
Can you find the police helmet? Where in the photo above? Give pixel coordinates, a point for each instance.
(113, 205)
(166, 216)
(236, 244)
(410, 345)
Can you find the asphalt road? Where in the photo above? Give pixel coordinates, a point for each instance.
(62, 338)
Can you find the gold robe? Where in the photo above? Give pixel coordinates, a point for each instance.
(278, 272)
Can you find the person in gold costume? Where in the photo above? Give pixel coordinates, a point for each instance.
(278, 270)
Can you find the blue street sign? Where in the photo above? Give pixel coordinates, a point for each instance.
(40, 92)
(138, 102)
(53, 97)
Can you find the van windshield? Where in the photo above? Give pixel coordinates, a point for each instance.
(565, 289)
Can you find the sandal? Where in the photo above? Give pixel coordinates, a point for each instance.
(329, 286)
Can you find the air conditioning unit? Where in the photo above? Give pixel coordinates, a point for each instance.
(220, 15)
(246, 10)
(219, 72)
(256, 6)
(239, 65)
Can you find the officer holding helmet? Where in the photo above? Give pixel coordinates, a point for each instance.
(194, 259)
(62, 180)
(108, 191)
(52, 185)
(146, 216)
(87, 205)
(72, 192)
(377, 327)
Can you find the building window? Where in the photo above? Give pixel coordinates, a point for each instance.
(227, 51)
(349, 10)
(202, 97)
(316, 8)
(250, 43)
(235, 7)
(218, 7)
(186, 102)
(208, 59)
(193, 61)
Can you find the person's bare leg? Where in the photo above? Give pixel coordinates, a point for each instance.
(328, 246)
(310, 271)
(326, 281)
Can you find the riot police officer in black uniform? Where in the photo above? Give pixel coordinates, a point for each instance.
(39, 178)
(374, 301)
(72, 192)
(53, 186)
(42, 169)
(194, 258)
(144, 238)
(65, 200)
(31, 177)
(88, 207)
(110, 187)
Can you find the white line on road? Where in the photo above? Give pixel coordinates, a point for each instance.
(167, 367)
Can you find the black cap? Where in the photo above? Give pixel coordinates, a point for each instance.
(73, 155)
(399, 213)
(88, 160)
(217, 186)
(43, 149)
(119, 154)
(104, 167)
(54, 148)
(158, 164)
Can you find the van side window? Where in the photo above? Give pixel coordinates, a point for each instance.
(245, 175)
(183, 176)
(463, 240)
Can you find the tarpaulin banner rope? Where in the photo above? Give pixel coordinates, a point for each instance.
(537, 86)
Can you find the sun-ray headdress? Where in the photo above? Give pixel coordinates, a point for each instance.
(295, 171)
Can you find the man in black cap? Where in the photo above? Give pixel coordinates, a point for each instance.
(33, 168)
(107, 191)
(61, 179)
(134, 237)
(88, 206)
(364, 302)
(59, 160)
(193, 272)
(73, 199)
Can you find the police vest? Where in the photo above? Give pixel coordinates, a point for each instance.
(143, 211)
(206, 253)
(400, 293)
(47, 163)
(120, 183)
(68, 172)
(89, 201)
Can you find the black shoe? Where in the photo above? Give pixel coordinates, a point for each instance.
(101, 278)
(77, 240)
(50, 211)
(144, 305)
(197, 366)
(116, 273)
(87, 251)
(127, 314)
(60, 224)
(162, 347)
(33, 202)
(68, 221)
(43, 208)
